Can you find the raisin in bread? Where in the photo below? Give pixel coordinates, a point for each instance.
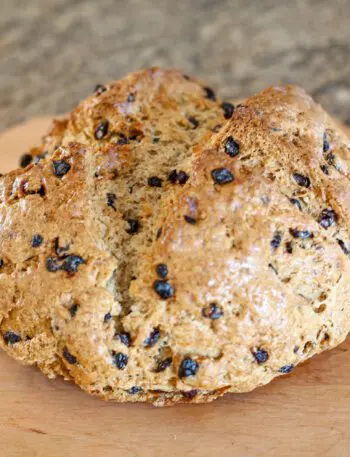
(155, 256)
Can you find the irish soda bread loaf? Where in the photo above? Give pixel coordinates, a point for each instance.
(165, 247)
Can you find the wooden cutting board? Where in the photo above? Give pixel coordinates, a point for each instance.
(306, 413)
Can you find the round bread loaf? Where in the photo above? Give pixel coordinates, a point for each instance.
(165, 247)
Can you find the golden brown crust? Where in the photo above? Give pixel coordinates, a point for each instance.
(253, 246)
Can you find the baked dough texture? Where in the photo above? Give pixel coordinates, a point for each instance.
(166, 247)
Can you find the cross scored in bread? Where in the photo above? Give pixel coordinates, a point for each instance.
(163, 246)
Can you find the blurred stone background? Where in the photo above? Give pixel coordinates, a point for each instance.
(53, 52)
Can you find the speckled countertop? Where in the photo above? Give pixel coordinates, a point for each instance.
(53, 52)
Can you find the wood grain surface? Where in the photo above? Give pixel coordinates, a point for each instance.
(305, 413)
